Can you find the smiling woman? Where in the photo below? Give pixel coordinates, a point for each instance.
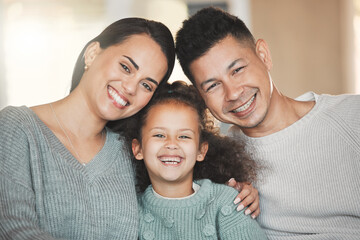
(63, 173)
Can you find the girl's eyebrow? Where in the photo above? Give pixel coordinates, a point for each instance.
(187, 129)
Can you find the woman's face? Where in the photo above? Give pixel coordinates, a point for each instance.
(122, 78)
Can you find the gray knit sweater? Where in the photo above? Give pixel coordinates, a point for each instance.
(45, 193)
(209, 214)
(311, 188)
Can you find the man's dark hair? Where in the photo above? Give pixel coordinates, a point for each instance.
(203, 30)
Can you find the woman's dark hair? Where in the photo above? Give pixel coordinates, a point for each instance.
(226, 157)
(203, 30)
(122, 29)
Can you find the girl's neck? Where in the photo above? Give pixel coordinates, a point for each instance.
(173, 189)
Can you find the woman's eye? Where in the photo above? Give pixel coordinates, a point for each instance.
(125, 67)
(147, 86)
(212, 86)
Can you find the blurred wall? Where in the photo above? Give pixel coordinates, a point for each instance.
(311, 42)
(2, 61)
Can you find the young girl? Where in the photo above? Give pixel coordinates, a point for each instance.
(175, 143)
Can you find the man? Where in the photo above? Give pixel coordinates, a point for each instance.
(310, 187)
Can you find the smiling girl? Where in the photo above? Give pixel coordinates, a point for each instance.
(178, 150)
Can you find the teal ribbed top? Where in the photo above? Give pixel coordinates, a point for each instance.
(45, 193)
(209, 214)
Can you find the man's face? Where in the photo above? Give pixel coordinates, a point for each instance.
(233, 80)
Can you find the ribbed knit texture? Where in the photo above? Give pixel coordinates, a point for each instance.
(311, 188)
(45, 193)
(209, 214)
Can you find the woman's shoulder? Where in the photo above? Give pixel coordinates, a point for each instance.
(12, 116)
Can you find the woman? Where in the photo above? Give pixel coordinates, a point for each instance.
(63, 174)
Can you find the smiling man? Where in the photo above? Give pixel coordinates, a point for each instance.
(311, 185)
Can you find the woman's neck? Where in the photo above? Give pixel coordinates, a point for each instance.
(78, 116)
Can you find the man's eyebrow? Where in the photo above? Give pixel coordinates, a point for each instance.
(132, 62)
(228, 68)
(233, 63)
(206, 82)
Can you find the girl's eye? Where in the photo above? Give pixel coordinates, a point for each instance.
(211, 86)
(159, 135)
(184, 137)
(125, 67)
(147, 86)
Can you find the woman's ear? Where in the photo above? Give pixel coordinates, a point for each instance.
(136, 149)
(202, 152)
(263, 52)
(91, 52)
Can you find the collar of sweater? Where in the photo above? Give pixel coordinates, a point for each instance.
(204, 195)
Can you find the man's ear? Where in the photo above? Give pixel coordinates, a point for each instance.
(263, 52)
(202, 152)
(136, 149)
(91, 52)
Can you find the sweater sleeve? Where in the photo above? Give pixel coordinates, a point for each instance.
(233, 224)
(18, 217)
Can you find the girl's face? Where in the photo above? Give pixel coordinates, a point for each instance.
(122, 78)
(170, 143)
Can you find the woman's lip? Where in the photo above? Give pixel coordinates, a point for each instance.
(116, 98)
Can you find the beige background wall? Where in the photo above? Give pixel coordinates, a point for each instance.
(311, 43)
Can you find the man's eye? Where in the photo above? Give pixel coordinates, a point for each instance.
(125, 67)
(238, 69)
(212, 86)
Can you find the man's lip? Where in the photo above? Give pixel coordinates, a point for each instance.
(118, 99)
(248, 107)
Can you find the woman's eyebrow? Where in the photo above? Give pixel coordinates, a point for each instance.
(132, 62)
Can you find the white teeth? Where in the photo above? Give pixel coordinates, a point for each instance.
(245, 106)
(116, 97)
(174, 160)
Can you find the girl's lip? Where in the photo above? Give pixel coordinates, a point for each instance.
(170, 160)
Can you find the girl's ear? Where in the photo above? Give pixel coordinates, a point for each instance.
(91, 52)
(202, 152)
(136, 149)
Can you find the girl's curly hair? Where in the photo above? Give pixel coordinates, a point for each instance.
(226, 157)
